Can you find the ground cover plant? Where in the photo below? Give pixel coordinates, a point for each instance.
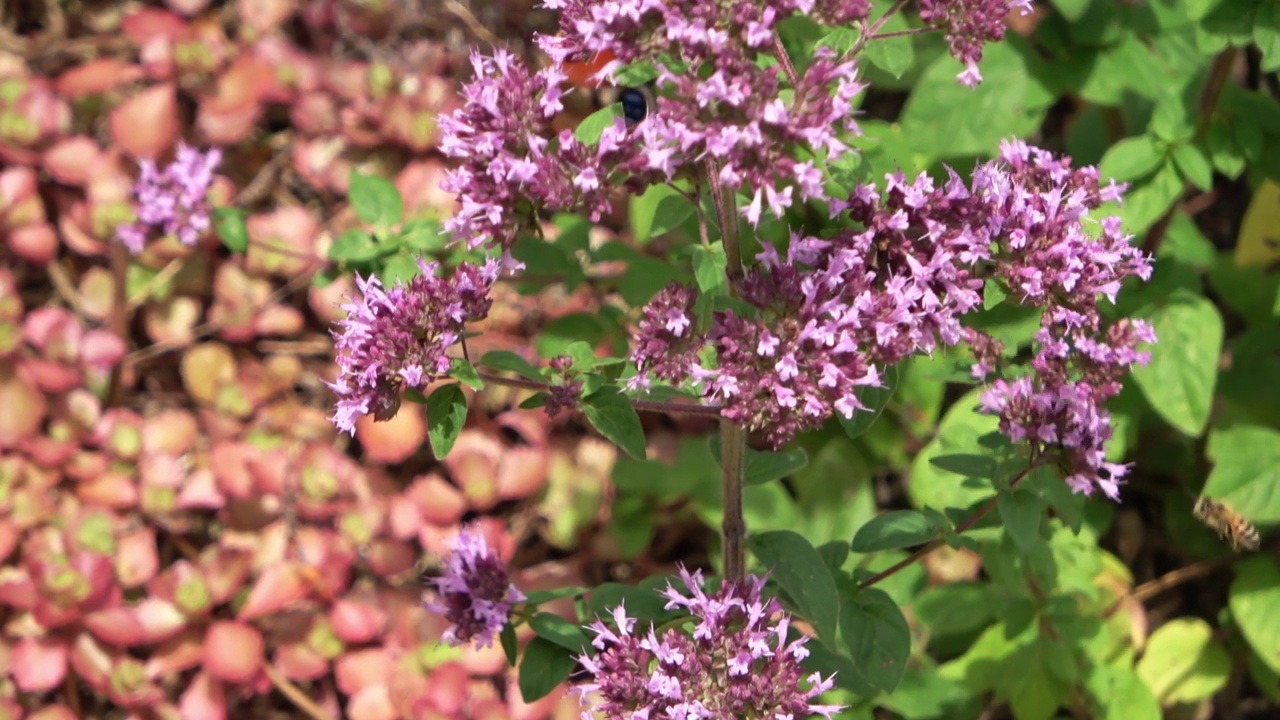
(866, 360)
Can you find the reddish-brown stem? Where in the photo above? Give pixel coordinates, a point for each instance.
(901, 33)
(784, 59)
(653, 406)
(874, 28)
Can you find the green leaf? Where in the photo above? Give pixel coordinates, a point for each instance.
(423, 235)
(763, 466)
(534, 598)
(878, 638)
(643, 278)
(353, 246)
(446, 414)
(507, 639)
(1254, 599)
(641, 603)
(1068, 506)
(230, 225)
(894, 55)
(399, 269)
(1246, 470)
(556, 629)
(798, 568)
(1131, 159)
(709, 266)
(875, 399)
(543, 258)
(658, 211)
(946, 119)
(1119, 694)
(1194, 166)
(465, 373)
(545, 665)
(511, 362)
(1072, 10)
(375, 199)
(565, 331)
(978, 466)
(823, 660)
(593, 126)
(1179, 381)
(1183, 663)
(893, 530)
(957, 609)
(610, 412)
(1032, 691)
(960, 429)
(1022, 512)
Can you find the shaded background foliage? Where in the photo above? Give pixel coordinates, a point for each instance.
(185, 534)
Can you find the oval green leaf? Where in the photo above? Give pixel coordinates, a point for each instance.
(798, 568)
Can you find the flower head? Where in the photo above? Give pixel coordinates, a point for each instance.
(396, 338)
(475, 592)
(969, 24)
(511, 165)
(173, 200)
(735, 663)
(837, 309)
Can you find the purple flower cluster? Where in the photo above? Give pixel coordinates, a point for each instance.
(397, 338)
(510, 167)
(840, 308)
(736, 663)
(1046, 259)
(173, 200)
(969, 24)
(833, 313)
(718, 104)
(475, 592)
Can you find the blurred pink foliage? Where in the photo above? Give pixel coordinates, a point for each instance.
(183, 533)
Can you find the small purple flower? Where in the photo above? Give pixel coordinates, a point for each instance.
(173, 200)
(474, 593)
(736, 662)
(396, 338)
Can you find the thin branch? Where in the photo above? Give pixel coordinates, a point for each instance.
(936, 543)
(653, 406)
(295, 696)
(1169, 580)
(160, 348)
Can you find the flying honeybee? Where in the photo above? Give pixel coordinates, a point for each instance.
(1229, 524)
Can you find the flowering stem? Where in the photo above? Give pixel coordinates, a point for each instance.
(936, 543)
(733, 440)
